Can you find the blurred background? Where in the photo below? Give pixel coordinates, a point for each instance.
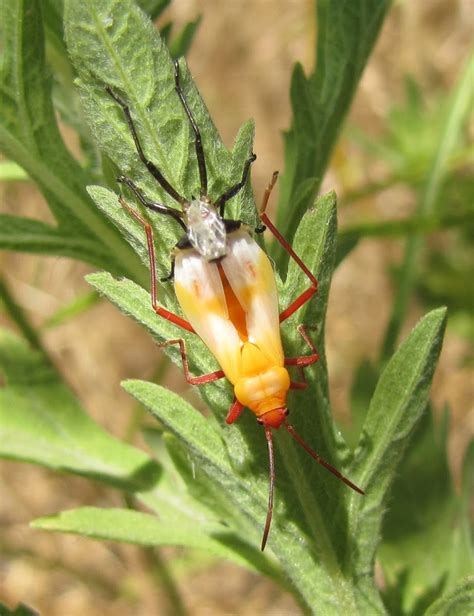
(241, 60)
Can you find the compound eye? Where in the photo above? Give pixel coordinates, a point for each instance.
(287, 412)
(260, 421)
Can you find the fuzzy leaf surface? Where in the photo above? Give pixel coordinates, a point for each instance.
(399, 400)
(112, 43)
(129, 526)
(423, 525)
(459, 602)
(29, 135)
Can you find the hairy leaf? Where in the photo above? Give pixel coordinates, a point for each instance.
(29, 135)
(458, 602)
(346, 33)
(125, 525)
(396, 407)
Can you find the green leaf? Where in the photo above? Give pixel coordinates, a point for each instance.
(315, 243)
(304, 523)
(128, 526)
(396, 407)
(52, 11)
(29, 136)
(42, 422)
(459, 602)
(363, 387)
(245, 495)
(452, 129)
(20, 610)
(28, 131)
(72, 309)
(139, 68)
(422, 525)
(153, 8)
(182, 42)
(11, 172)
(34, 236)
(346, 33)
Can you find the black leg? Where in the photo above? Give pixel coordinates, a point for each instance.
(170, 276)
(197, 135)
(152, 205)
(155, 172)
(233, 190)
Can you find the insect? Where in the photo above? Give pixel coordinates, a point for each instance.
(225, 285)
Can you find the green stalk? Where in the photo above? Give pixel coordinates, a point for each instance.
(449, 137)
(18, 316)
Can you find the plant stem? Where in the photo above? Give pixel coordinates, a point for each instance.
(138, 411)
(72, 309)
(407, 226)
(450, 133)
(18, 316)
(160, 572)
(414, 178)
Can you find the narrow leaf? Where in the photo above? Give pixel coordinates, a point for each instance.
(346, 33)
(422, 525)
(397, 405)
(42, 422)
(20, 610)
(128, 526)
(139, 68)
(34, 236)
(29, 136)
(182, 42)
(459, 602)
(450, 133)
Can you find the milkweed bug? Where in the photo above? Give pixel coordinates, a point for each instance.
(225, 285)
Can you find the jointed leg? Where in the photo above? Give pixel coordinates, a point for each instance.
(311, 290)
(235, 411)
(152, 205)
(163, 312)
(192, 380)
(233, 190)
(155, 172)
(303, 361)
(197, 135)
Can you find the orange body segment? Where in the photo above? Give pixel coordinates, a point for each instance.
(222, 300)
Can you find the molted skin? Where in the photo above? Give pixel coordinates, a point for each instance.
(232, 305)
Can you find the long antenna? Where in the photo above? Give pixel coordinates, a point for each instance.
(268, 521)
(319, 460)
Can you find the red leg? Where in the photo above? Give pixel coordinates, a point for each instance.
(234, 412)
(302, 361)
(311, 290)
(193, 380)
(297, 385)
(163, 312)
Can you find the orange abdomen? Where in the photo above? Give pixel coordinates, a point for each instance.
(264, 384)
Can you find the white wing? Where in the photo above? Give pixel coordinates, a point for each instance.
(250, 274)
(200, 292)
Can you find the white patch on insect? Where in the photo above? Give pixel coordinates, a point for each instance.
(206, 229)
